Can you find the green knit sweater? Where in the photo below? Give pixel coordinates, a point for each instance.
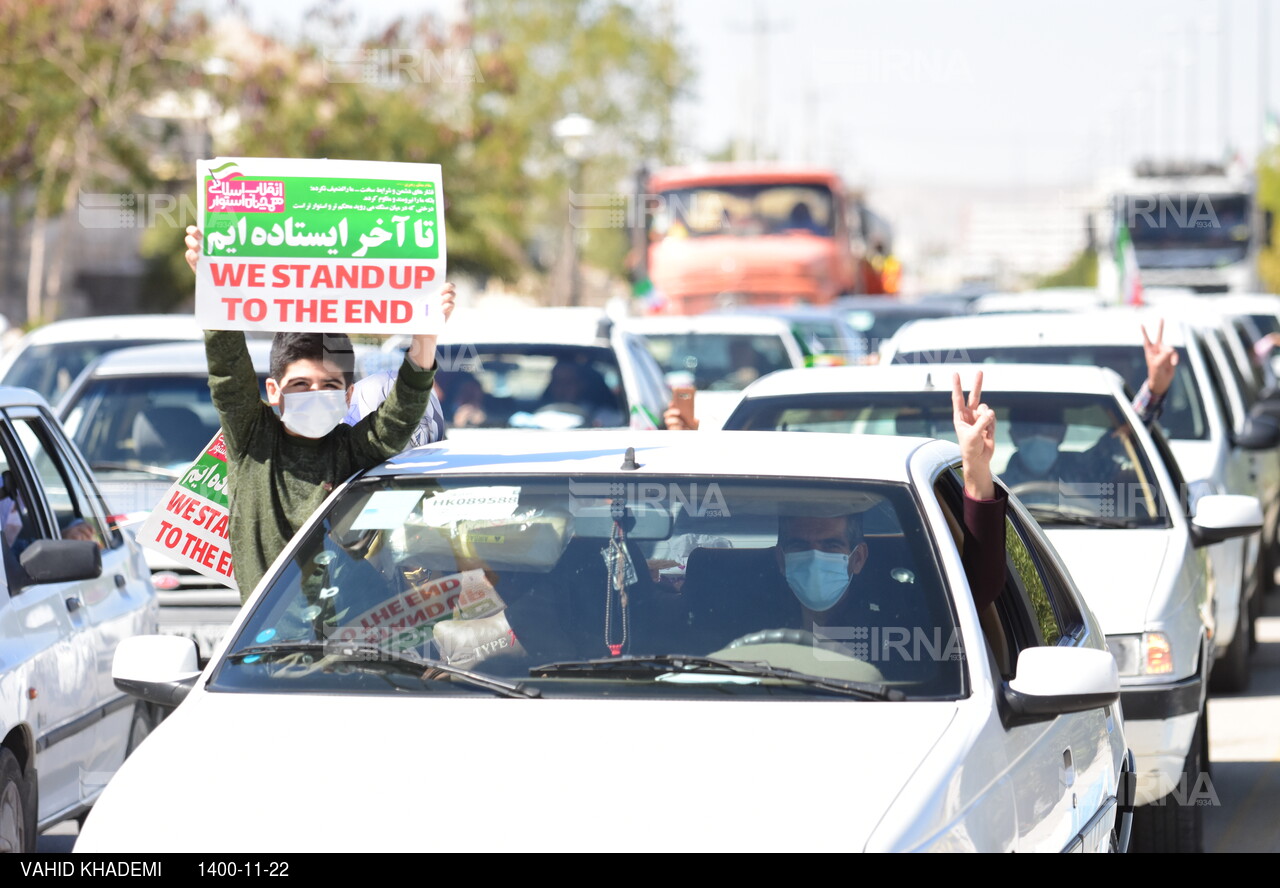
(278, 480)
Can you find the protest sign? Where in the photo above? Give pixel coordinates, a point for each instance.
(316, 245)
(190, 523)
(407, 619)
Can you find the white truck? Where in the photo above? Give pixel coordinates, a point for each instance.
(1193, 227)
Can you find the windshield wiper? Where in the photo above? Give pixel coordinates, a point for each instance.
(366, 653)
(1050, 515)
(667, 663)
(135, 467)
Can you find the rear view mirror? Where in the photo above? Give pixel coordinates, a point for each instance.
(62, 561)
(1225, 516)
(1050, 681)
(1261, 432)
(639, 521)
(160, 669)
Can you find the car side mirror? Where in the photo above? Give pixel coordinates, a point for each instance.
(1223, 516)
(1051, 681)
(159, 669)
(62, 561)
(1261, 432)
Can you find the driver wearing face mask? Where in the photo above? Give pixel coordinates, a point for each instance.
(822, 557)
(1037, 433)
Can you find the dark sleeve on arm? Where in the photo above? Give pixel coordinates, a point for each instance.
(387, 430)
(234, 386)
(984, 547)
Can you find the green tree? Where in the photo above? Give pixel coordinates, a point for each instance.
(619, 64)
(1082, 271)
(78, 74)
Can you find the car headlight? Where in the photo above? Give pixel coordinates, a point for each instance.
(1147, 654)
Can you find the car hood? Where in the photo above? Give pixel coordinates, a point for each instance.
(297, 773)
(1117, 571)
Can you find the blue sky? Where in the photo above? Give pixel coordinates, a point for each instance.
(985, 92)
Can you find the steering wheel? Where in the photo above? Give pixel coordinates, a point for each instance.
(800, 637)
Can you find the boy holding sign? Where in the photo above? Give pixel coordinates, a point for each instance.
(281, 468)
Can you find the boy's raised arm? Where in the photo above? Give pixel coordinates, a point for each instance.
(232, 380)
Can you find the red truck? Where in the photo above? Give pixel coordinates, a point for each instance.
(754, 234)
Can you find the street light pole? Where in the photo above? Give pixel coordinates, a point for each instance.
(573, 131)
(575, 251)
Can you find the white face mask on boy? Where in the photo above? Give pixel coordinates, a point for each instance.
(313, 414)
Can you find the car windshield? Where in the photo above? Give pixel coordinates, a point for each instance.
(535, 579)
(1182, 417)
(719, 361)
(745, 210)
(50, 369)
(142, 423)
(533, 387)
(1217, 224)
(820, 335)
(1068, 456)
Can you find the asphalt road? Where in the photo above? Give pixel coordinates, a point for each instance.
(1244, 746)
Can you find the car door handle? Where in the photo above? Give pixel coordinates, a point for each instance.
(121, 582)
(73, 605)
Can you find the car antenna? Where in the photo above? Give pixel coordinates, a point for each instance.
(629, 463)
(928, 382)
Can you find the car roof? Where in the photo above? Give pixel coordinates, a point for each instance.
(927, 377)
(707, 323)
(1051, 299)
(740, 172)
(137, 326)
(1224, 304)
(1120, 325)
(746, 454)
(789, 312)
(889, 305)
(171, 359)
(16, 396)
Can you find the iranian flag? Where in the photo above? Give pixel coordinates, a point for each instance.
(1127, 268)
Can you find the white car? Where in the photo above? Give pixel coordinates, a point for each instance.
(497, 636)
(72, 587)
(141, 416)
(1216, 450)
(49, 358)
(720, 353)
(548, 369)
(1111, 508)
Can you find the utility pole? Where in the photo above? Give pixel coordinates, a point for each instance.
(761, 29)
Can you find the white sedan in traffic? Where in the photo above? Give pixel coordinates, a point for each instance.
(1112, 504)
(464, 650)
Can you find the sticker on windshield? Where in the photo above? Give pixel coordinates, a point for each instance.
(386, 510)
(470, 504)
